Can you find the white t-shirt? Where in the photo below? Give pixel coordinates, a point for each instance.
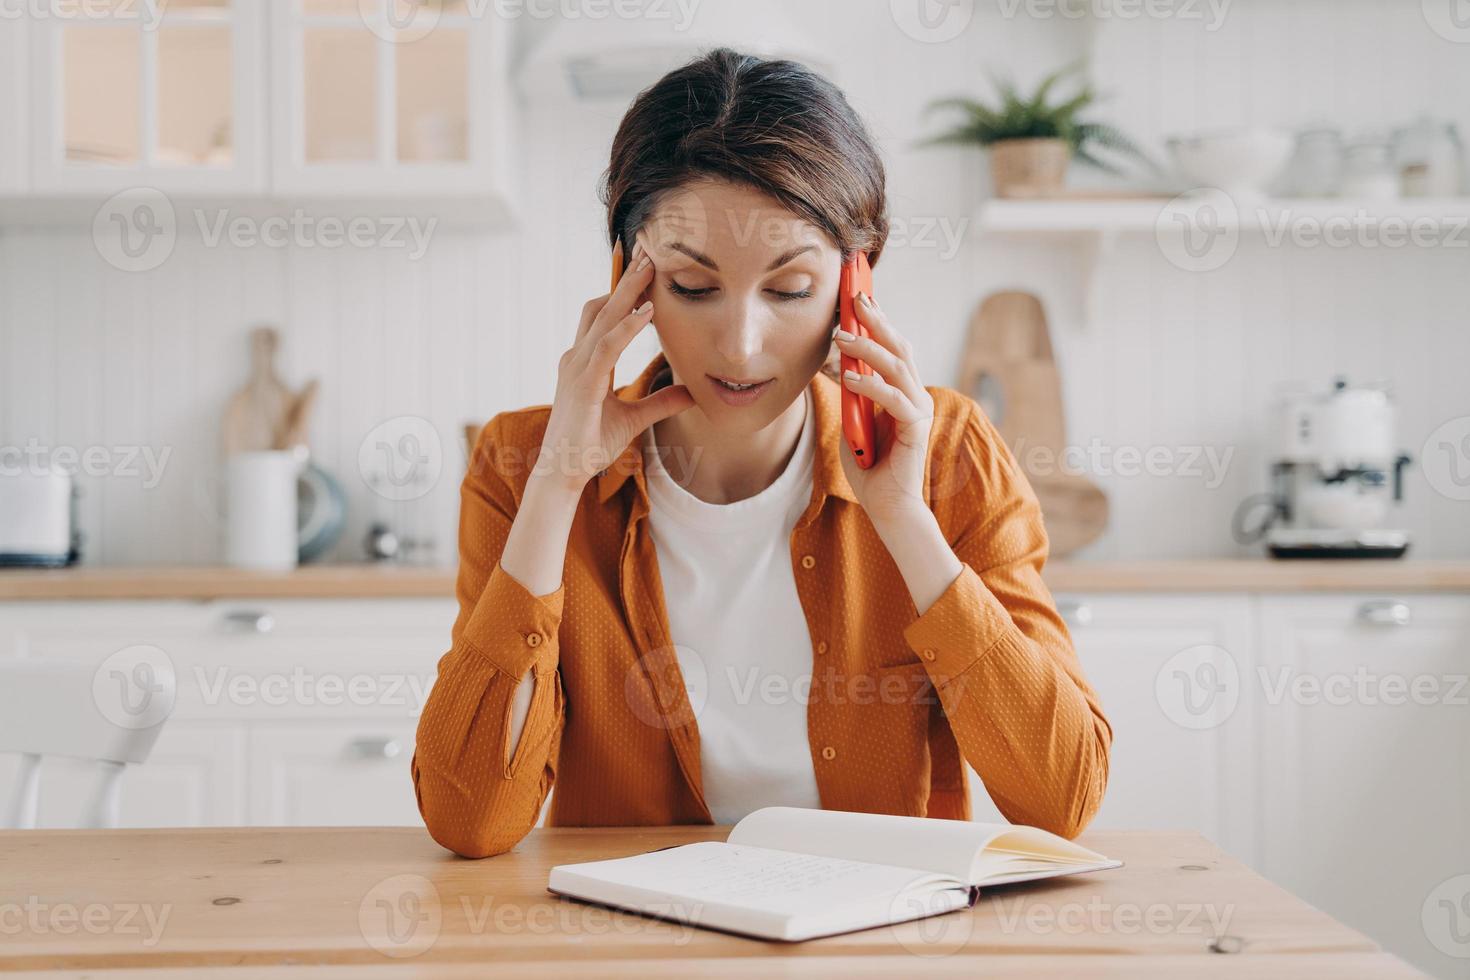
(739, 632)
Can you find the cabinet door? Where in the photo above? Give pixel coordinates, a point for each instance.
(194, 778)
(1365, 722)
(13, 106)
(1180, 756)
(383, 97)
(353, 773)
(145, 95)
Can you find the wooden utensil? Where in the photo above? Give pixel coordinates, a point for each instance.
(257, 413)
(1009, 369)
(293, 430)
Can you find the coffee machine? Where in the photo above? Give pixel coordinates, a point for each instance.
(1335, 480)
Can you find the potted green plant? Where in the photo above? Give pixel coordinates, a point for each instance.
(1032, 140)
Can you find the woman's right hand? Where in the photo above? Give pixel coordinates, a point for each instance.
(589, 426)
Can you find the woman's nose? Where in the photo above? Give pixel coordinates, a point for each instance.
(740, 338)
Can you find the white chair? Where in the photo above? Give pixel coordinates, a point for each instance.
(110, 714)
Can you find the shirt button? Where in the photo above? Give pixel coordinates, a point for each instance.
(829, 753)
(822, 647)
(928, 654)
(807, 561)
(533, 639)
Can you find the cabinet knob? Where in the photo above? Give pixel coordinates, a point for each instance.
(376, 747)
(1385, 612)
(1074, 612)
(248, 621)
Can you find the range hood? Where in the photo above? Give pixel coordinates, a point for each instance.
(601, 58)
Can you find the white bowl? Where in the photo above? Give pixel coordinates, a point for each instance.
(1239, 162)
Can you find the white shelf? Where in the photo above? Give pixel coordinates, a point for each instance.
(1111, 217)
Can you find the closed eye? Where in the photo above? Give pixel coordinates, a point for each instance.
(688, 293)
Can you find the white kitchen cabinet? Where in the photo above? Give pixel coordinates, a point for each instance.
(146, 95)
(14, 110)
(1364, 719)
(1181, 752)
(348, 773)
(376, 98)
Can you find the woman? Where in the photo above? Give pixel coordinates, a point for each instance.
(729, 613)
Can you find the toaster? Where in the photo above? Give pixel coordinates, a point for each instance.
(38, 518)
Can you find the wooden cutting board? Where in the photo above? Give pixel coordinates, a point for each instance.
(1009, 369)
(265, 413)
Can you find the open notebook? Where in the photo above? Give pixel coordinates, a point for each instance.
(789, 873)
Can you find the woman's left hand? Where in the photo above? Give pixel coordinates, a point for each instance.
(893, 487)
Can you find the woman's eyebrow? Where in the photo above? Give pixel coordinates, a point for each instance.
(709, 263)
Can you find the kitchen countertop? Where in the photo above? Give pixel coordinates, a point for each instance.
(386, 581)
(267, 902)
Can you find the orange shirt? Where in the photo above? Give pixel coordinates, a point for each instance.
(899, 701)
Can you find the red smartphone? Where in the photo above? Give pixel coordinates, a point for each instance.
(858, 426)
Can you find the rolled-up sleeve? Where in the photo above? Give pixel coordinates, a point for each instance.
(476, 797)
(1000, 657)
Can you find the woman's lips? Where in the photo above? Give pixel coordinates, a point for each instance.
(732, 397)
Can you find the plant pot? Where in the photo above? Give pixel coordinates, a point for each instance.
(1029, 167)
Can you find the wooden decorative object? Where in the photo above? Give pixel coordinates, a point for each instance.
(1009, 369)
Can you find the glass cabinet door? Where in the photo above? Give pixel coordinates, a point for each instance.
(166, 95)
(394, 97)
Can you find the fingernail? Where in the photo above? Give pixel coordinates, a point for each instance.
(833, 335)
(647, 305)
(865, 299)
(843, 335)
(643, 259)
(851, 375)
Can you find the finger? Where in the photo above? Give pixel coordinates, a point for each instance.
(626, 295)
(894, 370)
(590, 309)
(604, 351)
(882, 330)
(893, 401)
(660, 405)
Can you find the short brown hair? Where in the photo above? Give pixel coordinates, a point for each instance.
(773, 125)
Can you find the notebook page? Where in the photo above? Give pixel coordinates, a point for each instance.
(952, 847)
(711, 874)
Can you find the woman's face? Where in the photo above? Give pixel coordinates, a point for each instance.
(744, 290)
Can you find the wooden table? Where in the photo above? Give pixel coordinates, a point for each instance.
(389, 902)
